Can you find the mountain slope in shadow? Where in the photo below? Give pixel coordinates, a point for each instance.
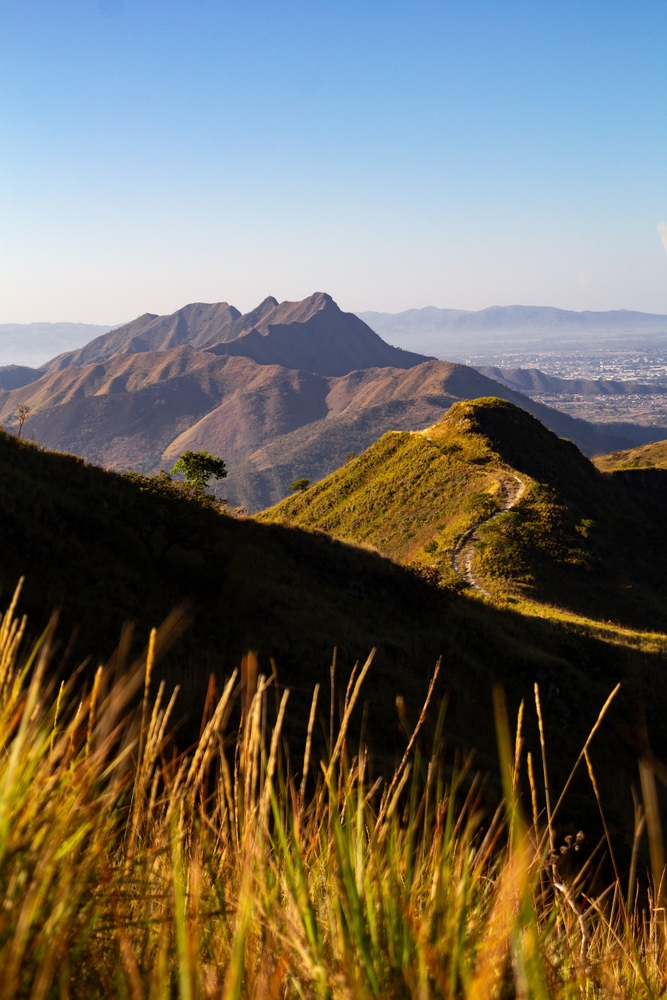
(107, 549)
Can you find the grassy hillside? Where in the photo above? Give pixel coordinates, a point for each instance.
(108, 549)
(576, 538)
(362, 407)
(648, 456)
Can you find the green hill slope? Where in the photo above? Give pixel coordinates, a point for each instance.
(108, 549)
(648, 456)
(573, 536)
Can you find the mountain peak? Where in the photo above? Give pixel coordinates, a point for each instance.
(311, 335)
(517, 437)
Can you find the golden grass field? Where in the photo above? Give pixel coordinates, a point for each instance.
(131, 870)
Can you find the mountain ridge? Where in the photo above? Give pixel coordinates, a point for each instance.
(534, 380)
(284, 391)
(268, 422)
(435, 330)
(575, 538)
(310, 335)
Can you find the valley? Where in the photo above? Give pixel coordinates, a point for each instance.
(450, 512)
(285, 391)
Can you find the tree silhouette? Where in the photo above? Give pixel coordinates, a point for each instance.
(22, 414)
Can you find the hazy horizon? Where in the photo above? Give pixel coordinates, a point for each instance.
(430, 305)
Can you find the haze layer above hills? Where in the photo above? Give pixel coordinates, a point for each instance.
(31, 344)
(457, 333)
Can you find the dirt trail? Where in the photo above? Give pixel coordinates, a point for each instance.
(512, 488)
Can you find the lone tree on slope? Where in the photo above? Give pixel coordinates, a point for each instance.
(22, 414)
(300, 485)
(198, 467)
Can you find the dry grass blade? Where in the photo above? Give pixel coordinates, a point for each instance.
(654, 827)
(589, 738)
(348, 712)
(306, 755)
(422, 716)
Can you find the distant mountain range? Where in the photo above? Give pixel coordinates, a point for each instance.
(456, 333)
(441, 333)
(287, 390)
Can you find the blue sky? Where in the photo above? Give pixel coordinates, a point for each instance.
(394, 154)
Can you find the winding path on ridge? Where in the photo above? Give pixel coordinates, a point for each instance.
(512, 489)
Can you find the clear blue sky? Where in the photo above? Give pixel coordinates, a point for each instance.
(394, 154)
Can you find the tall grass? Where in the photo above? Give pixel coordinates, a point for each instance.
(129, 870)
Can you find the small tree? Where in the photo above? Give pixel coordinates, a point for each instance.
(300, 484)
(22, 414)
(198, 467)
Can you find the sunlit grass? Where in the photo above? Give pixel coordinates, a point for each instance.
(607, 631)
(130, 870)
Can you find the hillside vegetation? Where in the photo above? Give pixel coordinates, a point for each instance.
(236, 869)
(108, 549)
(279, 845)
(648, 456)
(575, 538)
(141, 410)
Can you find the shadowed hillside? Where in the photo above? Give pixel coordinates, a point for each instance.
(108, 549)
(574, 537)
